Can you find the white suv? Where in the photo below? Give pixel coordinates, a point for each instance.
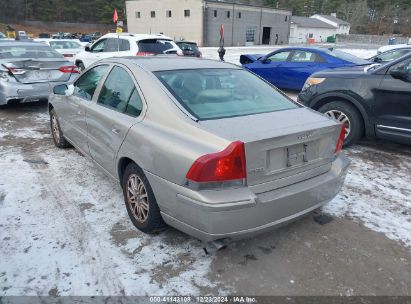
(126, 44)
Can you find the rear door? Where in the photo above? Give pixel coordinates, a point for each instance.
(300, 65)
(118, 107)
(272, 68)
(392, 107)
(72, 114)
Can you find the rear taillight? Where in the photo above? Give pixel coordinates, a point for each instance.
(72, 69)
(145, 54)
(226, 165)
(340, 141)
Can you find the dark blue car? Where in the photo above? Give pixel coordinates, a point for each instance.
(289, 68)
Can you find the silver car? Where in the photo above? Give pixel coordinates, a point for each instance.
(204, 146)
(27, 69)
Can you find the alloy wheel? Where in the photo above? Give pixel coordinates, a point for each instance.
(341, 117)
(137, 198)
(55, 128)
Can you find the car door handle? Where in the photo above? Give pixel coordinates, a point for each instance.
(115, 131)
(80, 112)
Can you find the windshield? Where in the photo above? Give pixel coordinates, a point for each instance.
(221, 93)
(65, 45)
(155, 46)
(347, 57)
(32, 51)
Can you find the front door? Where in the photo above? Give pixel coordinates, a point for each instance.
(392, 107)
(118, 108)
(75, 108)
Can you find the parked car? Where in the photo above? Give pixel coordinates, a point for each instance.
(289, 68)
(372, 102)
(95, 36)
(2, 36)
(27, 69)
(22, 35)
(67, 47)
(189, 48)
(59, 35)
(386, 48)
(390, 55)
(44, 35)
(172, 133)
(127, 44)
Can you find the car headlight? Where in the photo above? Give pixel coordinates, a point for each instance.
(312, 81)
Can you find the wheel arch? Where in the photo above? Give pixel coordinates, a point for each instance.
(122, 164)
(326, 98)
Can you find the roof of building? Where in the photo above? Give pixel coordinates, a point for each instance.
(310, 22)
(334, 19)
(240, 3)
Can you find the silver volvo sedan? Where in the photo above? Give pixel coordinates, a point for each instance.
(204, 146)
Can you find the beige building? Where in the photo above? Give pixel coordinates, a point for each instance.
(200, 21)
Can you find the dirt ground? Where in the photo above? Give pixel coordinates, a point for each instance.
(64, 230)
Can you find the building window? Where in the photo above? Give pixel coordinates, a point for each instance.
(250, 34)
(286, 18)
(239, 15)
(153, 14)
(228, 14)
(310, 35)
(168, 14)
(215, 13)
(186, 13)
(138, 15)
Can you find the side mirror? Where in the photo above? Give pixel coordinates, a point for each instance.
(401, 74)
(60, 89)
(87, 49)
(377, 59)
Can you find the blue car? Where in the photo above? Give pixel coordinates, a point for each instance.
(289, 68)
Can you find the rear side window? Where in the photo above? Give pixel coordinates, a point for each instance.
(115, 45)
(156, 46)
(119, 93)
(220, 93)
(86, 85)
(303, 56)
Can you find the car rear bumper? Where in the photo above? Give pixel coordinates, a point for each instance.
(12, 91)
(238, 213)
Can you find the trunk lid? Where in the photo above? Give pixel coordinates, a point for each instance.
(283, 147)
(38, 70)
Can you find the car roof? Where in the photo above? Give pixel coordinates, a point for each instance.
(169, 63)
(136, 36)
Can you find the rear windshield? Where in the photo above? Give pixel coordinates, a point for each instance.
(220, 93)
(186, 46)
(155, 46)
(32, 51)
(65, 45)
(347, 57)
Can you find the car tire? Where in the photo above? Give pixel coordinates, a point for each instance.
(344, 112)
(140, 201)
(57, 134)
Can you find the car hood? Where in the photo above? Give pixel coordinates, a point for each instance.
(342, 72)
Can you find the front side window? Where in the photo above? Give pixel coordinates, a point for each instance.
(279, 57)
(119, 93)
(393, 55)
(99, 46)
(220, 93)
(303, 56)
(86, 85)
